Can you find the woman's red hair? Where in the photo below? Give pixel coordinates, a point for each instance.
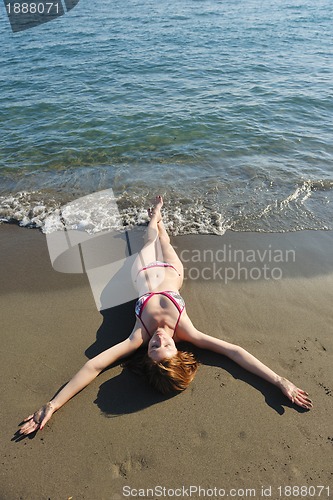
(169, 375)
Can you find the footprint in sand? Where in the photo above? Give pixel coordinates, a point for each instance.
(308, 343)
(200, 438)
(131, 464)
(327, 390)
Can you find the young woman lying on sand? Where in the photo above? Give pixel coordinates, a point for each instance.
(161, 322)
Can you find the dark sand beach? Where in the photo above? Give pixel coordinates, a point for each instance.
(228, 430)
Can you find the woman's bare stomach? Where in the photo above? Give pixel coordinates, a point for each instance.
(158, 280)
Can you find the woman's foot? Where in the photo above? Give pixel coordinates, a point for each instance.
(156, 209)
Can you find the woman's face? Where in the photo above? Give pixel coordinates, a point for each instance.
(161, 346)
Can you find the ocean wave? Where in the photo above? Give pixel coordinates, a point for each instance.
(28, 209)
(309, 205)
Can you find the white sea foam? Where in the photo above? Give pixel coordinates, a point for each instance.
(306, 206)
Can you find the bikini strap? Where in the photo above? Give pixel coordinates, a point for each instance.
(170, 297)
(180, 309)
(143, 305)
(157, 264)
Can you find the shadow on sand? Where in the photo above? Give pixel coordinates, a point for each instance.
(128, 393)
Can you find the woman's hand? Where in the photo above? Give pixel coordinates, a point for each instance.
(296, 395)
(38, 419)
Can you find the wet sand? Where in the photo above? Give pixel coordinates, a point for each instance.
(229, 429)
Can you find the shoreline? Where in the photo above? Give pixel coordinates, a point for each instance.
(118, 432)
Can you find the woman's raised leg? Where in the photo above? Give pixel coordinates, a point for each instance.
(168, 252)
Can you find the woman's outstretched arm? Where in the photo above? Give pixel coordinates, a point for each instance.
(247, 361)
(81, 379)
